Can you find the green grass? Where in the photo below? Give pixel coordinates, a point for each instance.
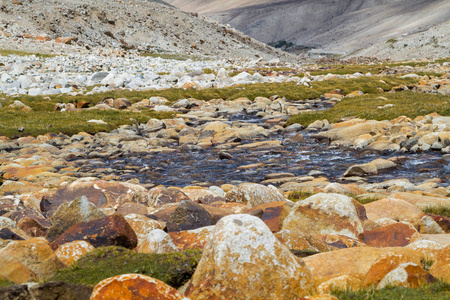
(343, 69)
(438, 210)
(435, 291)
(43, 119)
(296, 196)
(175, 269)
(6, 52)
(5, 283)
(409, 104)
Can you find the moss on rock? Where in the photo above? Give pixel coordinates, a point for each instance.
(174, 269)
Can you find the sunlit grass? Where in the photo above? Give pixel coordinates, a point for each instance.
(408, 104)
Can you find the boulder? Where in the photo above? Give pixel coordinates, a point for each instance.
(354, 262)
(395, 235)
(13, 270)
(327, 214)
(143, 225)
(35, 254)
(441, 267)
(134, 286)
(243, 260)
(395, 209)
(273, 213)
(253, 194)
(71, 213)
(157, 241)
(160, 195)
(408, 275)
(191, 239)
(302, 243)
(100, 193)
(70, 252)
(112, 230)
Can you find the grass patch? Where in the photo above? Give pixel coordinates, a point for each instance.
(408, 103)
(435, 291)
(437, 210)
(38, 122)
(174, 269)
(367, 198)
(6, 52)
(5, 283)
(296, 196)
(43, 119)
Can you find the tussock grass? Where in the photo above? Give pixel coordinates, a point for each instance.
(435, 291)
(174, 269)
(438, 210)
(409, 104)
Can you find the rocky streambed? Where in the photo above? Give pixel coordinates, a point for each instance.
(219, 176)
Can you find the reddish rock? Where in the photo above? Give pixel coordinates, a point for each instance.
(408, 275)
(108, 231)
(134, 287)
(442, 221)
(32, 227)
(63, 40)
(273, 213)
(395, 235)
(395, 209)
(132, 208)
(191, 239)
(143, 225)
(384, 264)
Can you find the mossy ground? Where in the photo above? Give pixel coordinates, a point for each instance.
(435, 291)
(5, 283)
(175, 269)
(408, 104)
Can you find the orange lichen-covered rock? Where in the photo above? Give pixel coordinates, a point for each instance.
(71, 252)
(302, 242)
(407, 275)
(396, 235)
(15, 271)
(191, 239)
(351, 261)
(395, 209)
(441, 267)
(383, 265)
(243, 260)
(143, 225)
(274, 213)
(327, 214)
(35, 254)
(134, 287)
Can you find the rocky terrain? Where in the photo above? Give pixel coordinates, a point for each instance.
(336, 27)
(142, 25)
(225, 170)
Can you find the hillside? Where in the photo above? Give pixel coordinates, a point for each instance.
(340, 26)
(144, 25)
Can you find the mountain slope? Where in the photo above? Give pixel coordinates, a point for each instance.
(144, 25)
(339, 26)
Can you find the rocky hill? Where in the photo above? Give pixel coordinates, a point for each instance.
(152, 26)
(338, 27)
